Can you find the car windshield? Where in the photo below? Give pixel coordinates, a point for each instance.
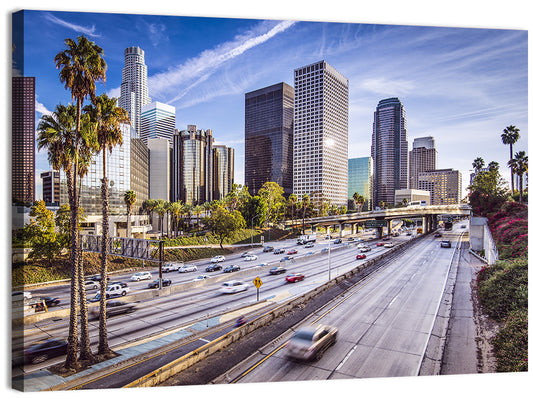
(304, 335)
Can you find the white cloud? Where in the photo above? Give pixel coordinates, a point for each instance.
(89, 31)
(388, 87)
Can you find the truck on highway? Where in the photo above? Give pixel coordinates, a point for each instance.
(304, 239)
(448, 226)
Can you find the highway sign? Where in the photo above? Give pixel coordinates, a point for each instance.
(257, 282)
(370, 224)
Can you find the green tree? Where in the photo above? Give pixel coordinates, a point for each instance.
(130, 198)
(273, 195)
(255, 207)
(41, 233)
(160, 209)
(519, 166)
(224, 224)
(510, 136)
(487, 192)
(359, 201)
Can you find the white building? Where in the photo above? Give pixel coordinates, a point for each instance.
(134, 87)
(159, 168)
(158, 120)
(320, 146)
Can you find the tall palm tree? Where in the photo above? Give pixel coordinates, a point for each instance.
(109, 119)
(509, 137)
(292, 200)
(175, 211)
(160, 209)
(519, 166)
(80, 66)
(305, 204)
(130, 198)
(478, 164)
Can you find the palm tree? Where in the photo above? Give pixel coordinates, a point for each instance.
(519, 166)
(197, 211)
(305, 204)
(478, 164)
(509, 137)
(292, 200)
(80, 66)
(160, 209)
(175, 210)
(130, 198)
(108, 118)
(359, 201)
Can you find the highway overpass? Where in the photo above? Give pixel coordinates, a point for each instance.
(383, 218)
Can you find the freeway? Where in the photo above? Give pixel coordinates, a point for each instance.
(384, 324)
(168, 313)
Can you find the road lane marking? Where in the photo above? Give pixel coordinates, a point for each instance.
(345, 358)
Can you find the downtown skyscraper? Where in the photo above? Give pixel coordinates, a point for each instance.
(134, 87)
(320, 150)
(422, 157)
(389, 150)
(268, 137)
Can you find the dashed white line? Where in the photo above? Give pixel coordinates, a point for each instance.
(345, 358)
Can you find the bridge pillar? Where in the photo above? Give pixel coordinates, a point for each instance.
(424, 225)
(389, 227)
(327, 230)
(379, 231)
(341, 230)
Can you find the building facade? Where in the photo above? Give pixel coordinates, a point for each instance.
(51, 188)
(193, 165)
(445, 186)
(360, 180)
(160, 168)
(134, 87)
(422, 157)
(268, 137)
(320, 141)
(158, 120)
(139, 170)
(23, 139)
(389, 150)
(223, 171)
(410, 195)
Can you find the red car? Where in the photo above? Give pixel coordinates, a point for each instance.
(294, 277)
(360, 256)
(379, 244)
(292, 252)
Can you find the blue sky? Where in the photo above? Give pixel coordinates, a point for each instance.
(461, 85)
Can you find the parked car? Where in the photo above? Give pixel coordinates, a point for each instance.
(294, 277)
(44, 350)
(213, 268)
(445, 244)
(278, 251)
(171, 267)
(231, 287)
(365, 249)
(311, 342)
(92, 285)
(187, 269)
(141, 276)
(155, 283)
(114, 308)
(360, 256)
(268, 249)
(337, 241)
(218, 258)
(292, 251)
(250, 258)
(201, 277)
(277, 270)
(309, 245)
(232, 268)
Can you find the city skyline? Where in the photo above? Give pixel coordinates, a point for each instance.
(459, 88)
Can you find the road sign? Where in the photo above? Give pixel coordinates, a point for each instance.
(370, 224)
(257, 282)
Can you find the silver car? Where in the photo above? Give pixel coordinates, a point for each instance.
(310, 342)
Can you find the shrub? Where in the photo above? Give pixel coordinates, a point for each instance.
(511, 343)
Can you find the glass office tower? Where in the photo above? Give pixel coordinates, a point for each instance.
(422, 157)
(360, 176)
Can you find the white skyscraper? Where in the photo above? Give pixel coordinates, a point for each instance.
(134, 87)
(158, 120)
(320, 149)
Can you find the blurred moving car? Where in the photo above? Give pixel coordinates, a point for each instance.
(445, 244)
(155, 283)
(360, 256)
(294, 277)
(51, 301)
(113, 290)
(309, 245)
(277, 270)
(171, 266)
(278, 251)
(97, 277)
(92, 285)
(44, 350)
(246, 253)
(292, 251)
(268, 248)
(311, 342)
(365, 249)
(380, 244)
(218, 258)
(232, 268)
(20, 295)
(114, 308)
(187, 269)
(389, 245)
(213, 268)
(437, 234)
(250, 258)
(201, 277)
(141, 276)
(338, 241)
(231, 287)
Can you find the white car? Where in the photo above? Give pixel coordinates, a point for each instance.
(202, 277)
(171, 266)
(115, 290)
(92, 285)
(21, 295)
(361, 245)
(309, 245)
(389, 245)
(141, 276)
(231, 287)
(218, 258)
(187, 269)
(250, 257)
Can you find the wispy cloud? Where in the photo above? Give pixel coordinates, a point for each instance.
(195, 71)
(89, 31)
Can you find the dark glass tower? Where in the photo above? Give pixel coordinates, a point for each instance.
(390, 150)
(268, 137)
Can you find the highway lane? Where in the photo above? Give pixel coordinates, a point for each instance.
(384, 323)
(169, 312)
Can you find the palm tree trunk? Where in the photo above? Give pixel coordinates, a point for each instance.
(103, 345)
(512, 172)
(520, 177)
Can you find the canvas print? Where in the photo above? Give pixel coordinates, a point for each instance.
(203, 200)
